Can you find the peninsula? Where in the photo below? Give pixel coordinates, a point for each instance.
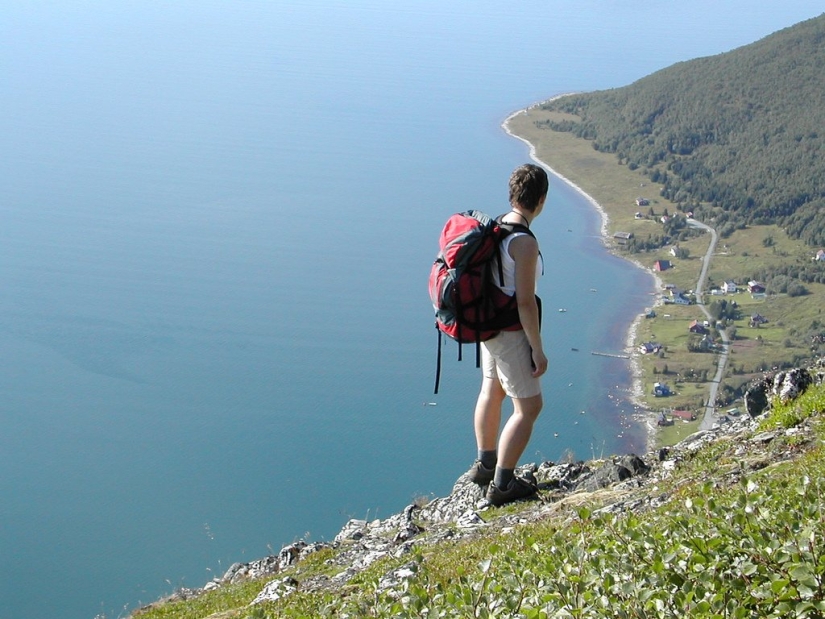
(609, 188)
(718, 192)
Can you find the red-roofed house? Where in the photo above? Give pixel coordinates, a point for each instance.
(686, 415)
(697, 327)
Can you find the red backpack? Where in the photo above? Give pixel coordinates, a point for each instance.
(469, 306)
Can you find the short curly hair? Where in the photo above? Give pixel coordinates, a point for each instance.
(528, 185)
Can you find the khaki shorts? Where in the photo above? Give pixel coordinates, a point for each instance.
(508, 357)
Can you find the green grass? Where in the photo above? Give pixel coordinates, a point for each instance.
(809, 405)
(226, 602)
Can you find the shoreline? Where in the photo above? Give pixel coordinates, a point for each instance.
(636, 388)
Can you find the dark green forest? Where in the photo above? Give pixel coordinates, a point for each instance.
(738, 138)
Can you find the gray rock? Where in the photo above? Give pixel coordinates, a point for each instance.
(756, 397)
(353, 530)
(785, 385)
(613, 472)
(469, 520)
(275, 590)
(791, 384)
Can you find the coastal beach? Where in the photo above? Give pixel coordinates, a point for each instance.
(636, 389)
(533, 155)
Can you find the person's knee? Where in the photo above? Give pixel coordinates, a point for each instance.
(529, 407)
(491, 389)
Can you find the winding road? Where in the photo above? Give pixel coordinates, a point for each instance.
(722, 360)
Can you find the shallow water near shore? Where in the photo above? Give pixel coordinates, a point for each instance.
(215, 232)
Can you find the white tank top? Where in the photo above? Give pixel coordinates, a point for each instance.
(508, 266)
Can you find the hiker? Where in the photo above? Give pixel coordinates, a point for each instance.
(514, 360)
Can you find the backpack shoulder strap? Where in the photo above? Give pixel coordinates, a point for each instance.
(510, 228)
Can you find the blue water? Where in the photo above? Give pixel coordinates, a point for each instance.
(216, 224)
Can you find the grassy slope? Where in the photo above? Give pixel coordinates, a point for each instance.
(734, 530)
(615, 187)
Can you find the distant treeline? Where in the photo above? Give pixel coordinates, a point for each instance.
(738, 137)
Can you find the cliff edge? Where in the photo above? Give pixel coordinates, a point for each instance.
(371, 568)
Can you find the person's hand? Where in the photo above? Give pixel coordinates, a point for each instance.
(539, 363)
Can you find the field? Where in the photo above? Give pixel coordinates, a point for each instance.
(783, 340)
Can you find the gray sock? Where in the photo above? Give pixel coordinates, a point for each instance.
(488, 458)
(503, 477)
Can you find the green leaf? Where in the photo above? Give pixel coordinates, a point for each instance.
(748, 568)
(802, 573)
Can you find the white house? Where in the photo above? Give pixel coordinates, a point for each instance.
(729, 287)
(820, 255)
(649, 348)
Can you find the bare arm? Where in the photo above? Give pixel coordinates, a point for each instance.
(525, 253)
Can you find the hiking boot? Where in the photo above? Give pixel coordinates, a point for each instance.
(519, 488)
(480, 474)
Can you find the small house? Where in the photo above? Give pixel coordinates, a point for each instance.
(661, 265)
(678, 297)
(820, 255)
(622, 237)
(757, 319)
(707, 344)
(642, 201)
(649, 348)
(697, 327)
(755, 287)
(661, 390)
(729, 287)
(686, 415)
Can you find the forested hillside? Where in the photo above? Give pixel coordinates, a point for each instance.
(738, 137)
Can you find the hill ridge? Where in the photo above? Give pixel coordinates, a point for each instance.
(740, 133)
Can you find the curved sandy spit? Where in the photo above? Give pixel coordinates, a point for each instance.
(637, 388)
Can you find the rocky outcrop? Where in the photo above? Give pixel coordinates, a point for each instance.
(782, 385)
(619, 484)
(465, 512)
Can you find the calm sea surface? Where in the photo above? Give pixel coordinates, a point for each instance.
(216, 225)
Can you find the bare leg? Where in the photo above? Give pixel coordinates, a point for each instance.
(487, 417)
(517, 430)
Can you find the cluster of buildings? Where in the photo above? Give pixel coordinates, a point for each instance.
(679, 297)
(703, 328)
(755, 288)
(664, 420)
